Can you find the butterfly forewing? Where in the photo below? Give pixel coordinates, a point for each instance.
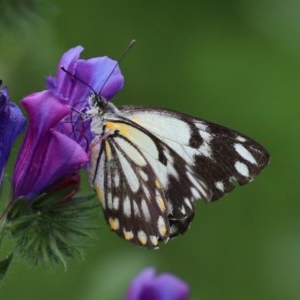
(150, 165)
(216, 155)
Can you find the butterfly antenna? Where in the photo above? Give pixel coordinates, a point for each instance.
(77, 78)
(132, 42)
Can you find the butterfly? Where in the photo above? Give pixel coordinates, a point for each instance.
(149, 165)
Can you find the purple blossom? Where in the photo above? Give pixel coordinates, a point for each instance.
(12, 123)
(46, 155)
(57, 140)
(101, 73)
(163, 287)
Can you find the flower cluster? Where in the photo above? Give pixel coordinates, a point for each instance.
(56, 140)
(44, 215)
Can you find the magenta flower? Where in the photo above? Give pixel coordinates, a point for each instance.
(12, 123)
(57, 139)
(46, 155)
(101, 73)
(45, 217)
(163, 287)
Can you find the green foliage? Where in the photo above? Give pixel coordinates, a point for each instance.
(48, 230)
(4, 264)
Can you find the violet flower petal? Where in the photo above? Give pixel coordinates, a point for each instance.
(46, 154)
(63, 84)
(12, 123)
(138, 284)
(101, 73)
(164, 287)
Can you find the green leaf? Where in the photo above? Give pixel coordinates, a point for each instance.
(4, 264)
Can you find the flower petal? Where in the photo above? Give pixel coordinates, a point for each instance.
(64, 83)
(100, 74)
(164, 287)
(12, 124)
(46, 154)
(138, 284)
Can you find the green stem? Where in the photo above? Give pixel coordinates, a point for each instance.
(2, 229)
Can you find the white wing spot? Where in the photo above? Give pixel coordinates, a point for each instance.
(201, 126)
(188, 203)
(195, 193)
(127, 207)
(205, 150)
(170, 164)
(109, 200)
(244, 153)
(207, 137)
(196, 184)
(183, 211)
(142, 237)
(145, 210)
(130, 175)
(114, 223)
(162, 229)
(128, 235)
(146, 191)
(242, 168)
(160, 202)
(241, 139)
(219, 185)
(117, 179)
(116, 203)
(173, 229)
(169, 207)
(153, 239)
(136, 210)
(144, 175)
(131, 152)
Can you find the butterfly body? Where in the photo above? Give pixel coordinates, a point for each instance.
(149, 165)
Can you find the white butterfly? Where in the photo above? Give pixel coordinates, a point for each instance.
(149, 165)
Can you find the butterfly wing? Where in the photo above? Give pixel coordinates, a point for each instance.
(155, 163)
(219, 156)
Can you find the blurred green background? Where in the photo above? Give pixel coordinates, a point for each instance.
(234, 62)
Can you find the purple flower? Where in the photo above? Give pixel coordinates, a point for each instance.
(57, 140)
(12, 123)
(163, 287)
(46, 155)
(102, 74)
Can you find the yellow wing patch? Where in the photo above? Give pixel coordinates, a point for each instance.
(114, 223)
(141, 140)
(124, 129)
(100, 193)
(107, 151)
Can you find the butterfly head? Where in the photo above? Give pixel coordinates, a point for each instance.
(100, 105)
(97, 101)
